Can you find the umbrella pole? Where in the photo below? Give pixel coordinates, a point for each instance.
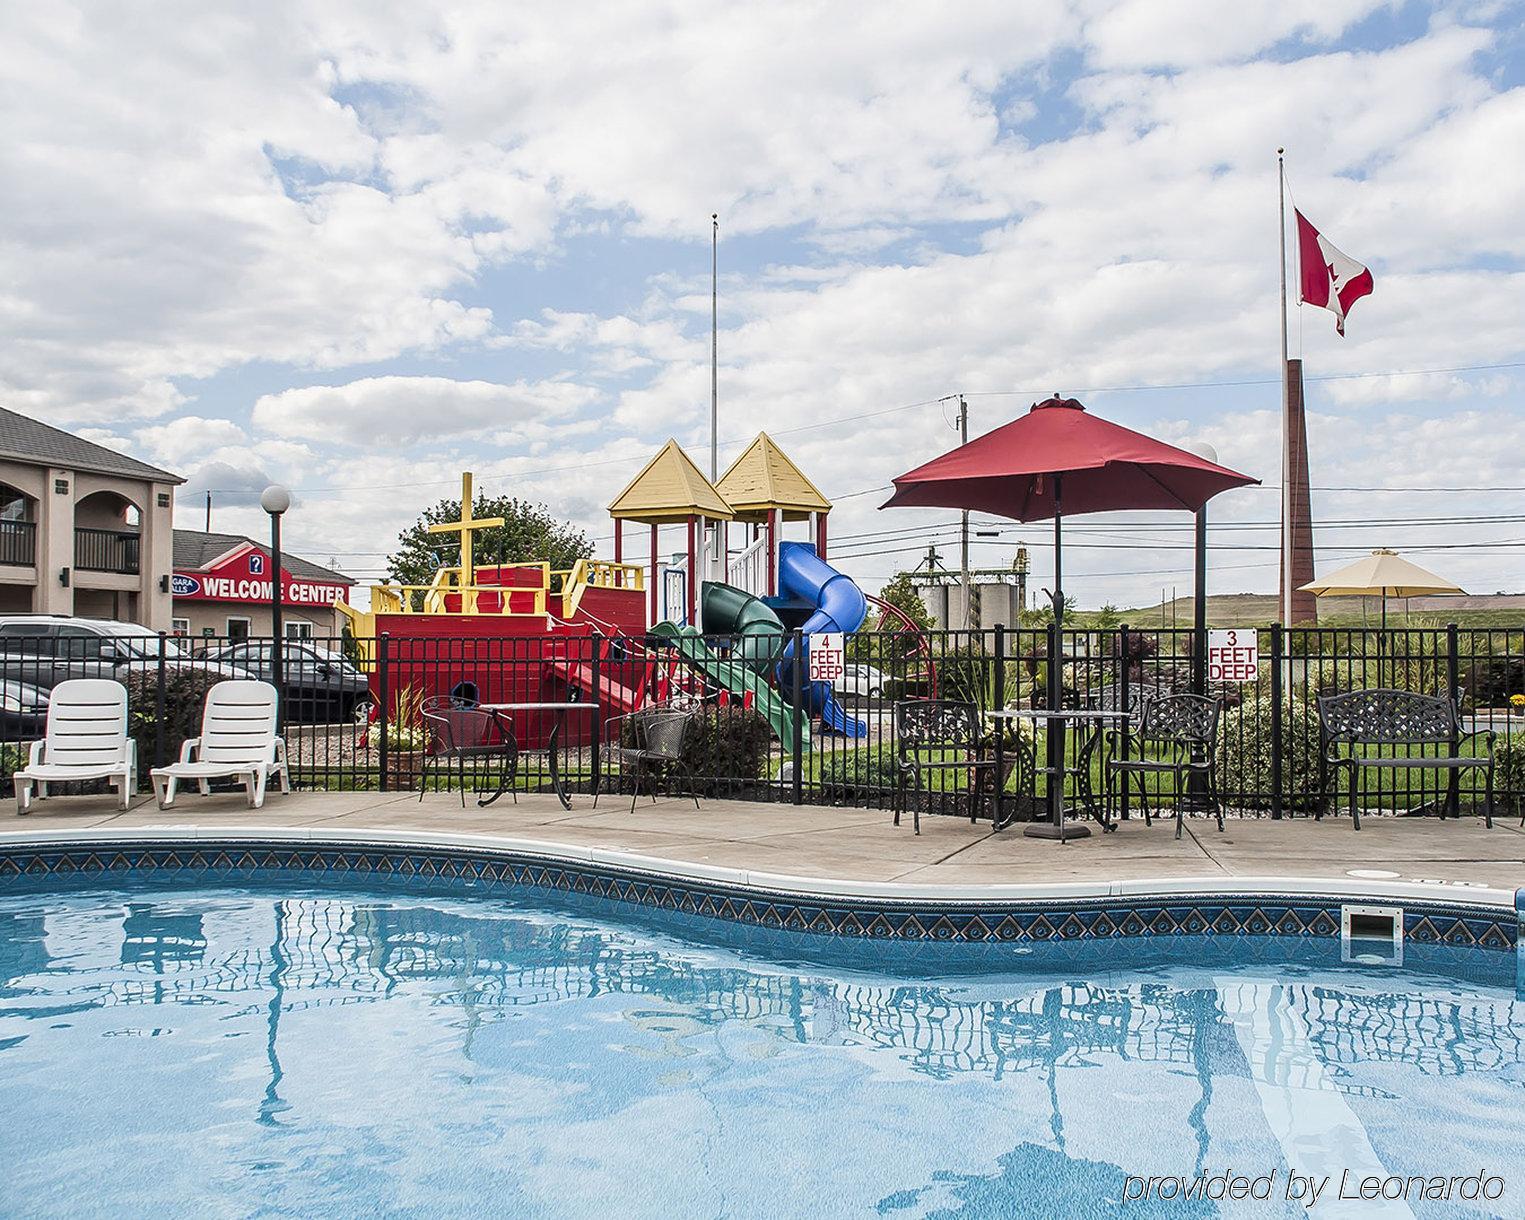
(1382, 638)
(1055, 827)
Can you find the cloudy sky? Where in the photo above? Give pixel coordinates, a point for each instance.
(359, 247)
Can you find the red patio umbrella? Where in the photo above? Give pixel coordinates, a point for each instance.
(1057, 459)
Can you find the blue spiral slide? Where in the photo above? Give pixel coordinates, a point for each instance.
(839, 606)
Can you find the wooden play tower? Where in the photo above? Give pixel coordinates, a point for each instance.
(670, 490)
(762, 489)
(765, 489)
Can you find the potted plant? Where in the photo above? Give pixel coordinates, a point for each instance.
(406, 739)
(1517, 705)
(1018, 738)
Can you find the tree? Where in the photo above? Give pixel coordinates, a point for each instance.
(905, 595)
(529, 534)
(872, 649)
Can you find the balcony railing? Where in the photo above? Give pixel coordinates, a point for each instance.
(106, 551)
(18, 542)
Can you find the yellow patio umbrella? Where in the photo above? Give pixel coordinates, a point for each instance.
(1383, 574)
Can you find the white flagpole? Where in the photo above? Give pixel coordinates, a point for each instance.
(1286, 407)
(714, 343)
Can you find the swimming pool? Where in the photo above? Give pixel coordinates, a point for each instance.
(281, 1048)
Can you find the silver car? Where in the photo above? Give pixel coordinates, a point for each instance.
(862, 681)
(43, 650)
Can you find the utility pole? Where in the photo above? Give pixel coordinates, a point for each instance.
(971, 621)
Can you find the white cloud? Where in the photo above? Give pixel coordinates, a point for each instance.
(188, 439)
(1424, 387)
(398, 410)
(1141, 33)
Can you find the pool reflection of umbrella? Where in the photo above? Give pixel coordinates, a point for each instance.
(1383, 574)
(1059, 458)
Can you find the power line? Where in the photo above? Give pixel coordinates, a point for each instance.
(1212, 385)
(911, 406)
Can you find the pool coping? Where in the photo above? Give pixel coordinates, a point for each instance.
(1335, 889)
(1312, 910)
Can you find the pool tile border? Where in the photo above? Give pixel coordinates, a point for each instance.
(997, 918)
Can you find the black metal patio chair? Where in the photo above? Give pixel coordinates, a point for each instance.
(465, 733)
(1176, 735)
(936, 736)
(649, 745)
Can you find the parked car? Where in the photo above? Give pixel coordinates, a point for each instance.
(319, 686)
(23, 711)
(42, 650)
(861, 680)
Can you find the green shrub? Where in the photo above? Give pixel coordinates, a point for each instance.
(728, 743)
(1422, 675)
(1509, 778)
(1492, 680)
(185, 692)
(1245, 753)
(857, 771)
(13, 756)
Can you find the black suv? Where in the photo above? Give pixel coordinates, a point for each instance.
(319, 687)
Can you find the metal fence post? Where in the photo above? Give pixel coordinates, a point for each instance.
(1124, 703)
(1453, 692)
(1276, 684)
(596, 641)
(998, 796)
(800, 661)
(159, 707)
(382, 699)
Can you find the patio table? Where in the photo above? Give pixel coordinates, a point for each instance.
(1093, 721)
(561, 709)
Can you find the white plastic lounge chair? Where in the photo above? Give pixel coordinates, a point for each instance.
(86, 739)
(237, 741)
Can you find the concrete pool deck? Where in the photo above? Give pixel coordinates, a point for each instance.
(855, 848)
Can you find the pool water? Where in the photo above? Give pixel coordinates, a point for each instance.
(240, 1052)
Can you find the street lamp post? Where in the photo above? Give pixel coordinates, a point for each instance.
(275, 500)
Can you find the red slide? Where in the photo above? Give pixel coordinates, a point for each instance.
(612, 693)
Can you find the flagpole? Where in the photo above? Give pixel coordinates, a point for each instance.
(714, 343)
(1286, 406)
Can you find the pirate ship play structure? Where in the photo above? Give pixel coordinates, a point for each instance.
(716, 619)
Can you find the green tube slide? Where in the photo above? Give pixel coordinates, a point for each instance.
(727, 610)
(736, 677)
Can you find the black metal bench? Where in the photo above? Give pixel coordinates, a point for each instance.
(1385, 718)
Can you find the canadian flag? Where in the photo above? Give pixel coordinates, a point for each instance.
(1331, 279)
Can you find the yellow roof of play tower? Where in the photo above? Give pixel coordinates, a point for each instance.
(763, 478)
(669, 488)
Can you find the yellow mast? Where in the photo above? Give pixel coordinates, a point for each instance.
(466, 527)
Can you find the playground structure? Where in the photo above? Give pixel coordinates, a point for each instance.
(712, 622)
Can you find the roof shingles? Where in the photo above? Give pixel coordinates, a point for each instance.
(196, 550)
(30, 440)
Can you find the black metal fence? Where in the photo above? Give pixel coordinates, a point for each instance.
(353, 713)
